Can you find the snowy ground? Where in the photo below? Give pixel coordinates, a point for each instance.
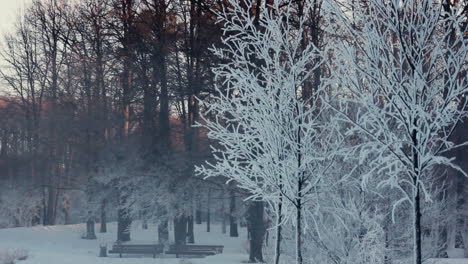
(63, 245)
(447, 261)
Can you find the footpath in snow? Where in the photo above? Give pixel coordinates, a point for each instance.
(63, 245)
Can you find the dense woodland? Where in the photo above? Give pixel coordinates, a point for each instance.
(255, 112)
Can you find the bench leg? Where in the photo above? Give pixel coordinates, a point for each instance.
(120, 254)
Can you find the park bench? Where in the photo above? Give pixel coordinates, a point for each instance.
(194, 250)
(119, 248)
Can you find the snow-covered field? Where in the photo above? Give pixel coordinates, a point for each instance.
(447, 261)
(63, 245)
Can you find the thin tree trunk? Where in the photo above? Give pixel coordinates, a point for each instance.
(223, 216)
(208, 213)
(232, 219)
(387, 259)
(163, 232)
(66, 210)
(278, 231)
(50, 205)
(417, 198)
(44, 206)
(299, 259)
(103, 228)
(190, 233)
(417, 228)
(198, 216)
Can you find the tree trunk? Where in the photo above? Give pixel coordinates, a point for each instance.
(465, 237)
(256, 228)
(180, 230)
(208, 213)
(190, 233)
(417, 197)
(387, 259)
(417, 228)
(208, 220)
(149, 102)
(50, 205)
(232, 219)
(299, 259)
(278, 231)
(67, 215)
(198, 217)
(223, 223)
(223, 216)
(103, 228)
(164, 101)
(66, 210)
(123, 225)
(163, 232)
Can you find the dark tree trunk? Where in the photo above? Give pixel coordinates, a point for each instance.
(144, 219)
(387, 257)
(208, 220)
(299, 259)
(223, 216)
(232, 219)
(103, 228)
(45, 220)
(180, 230)
(66, 211)
(224, 223)
(123, 226)
(198, 216)
(256, 228)
(149, 102)
(278, 231)
(164, 101)
(417, 228)
(163, 232)
(37, 217)
(208, 212)
(190, 233)
(67, 216)
(417, 199)
(50, 205)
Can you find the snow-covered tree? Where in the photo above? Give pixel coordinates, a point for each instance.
(271, 142)
(403, 64)
(19, 206)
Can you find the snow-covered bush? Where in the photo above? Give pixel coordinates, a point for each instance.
(18, 207)
(185, 261)
(10, 256)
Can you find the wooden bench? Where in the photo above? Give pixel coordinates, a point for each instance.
(195, 250)
(120, 249)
